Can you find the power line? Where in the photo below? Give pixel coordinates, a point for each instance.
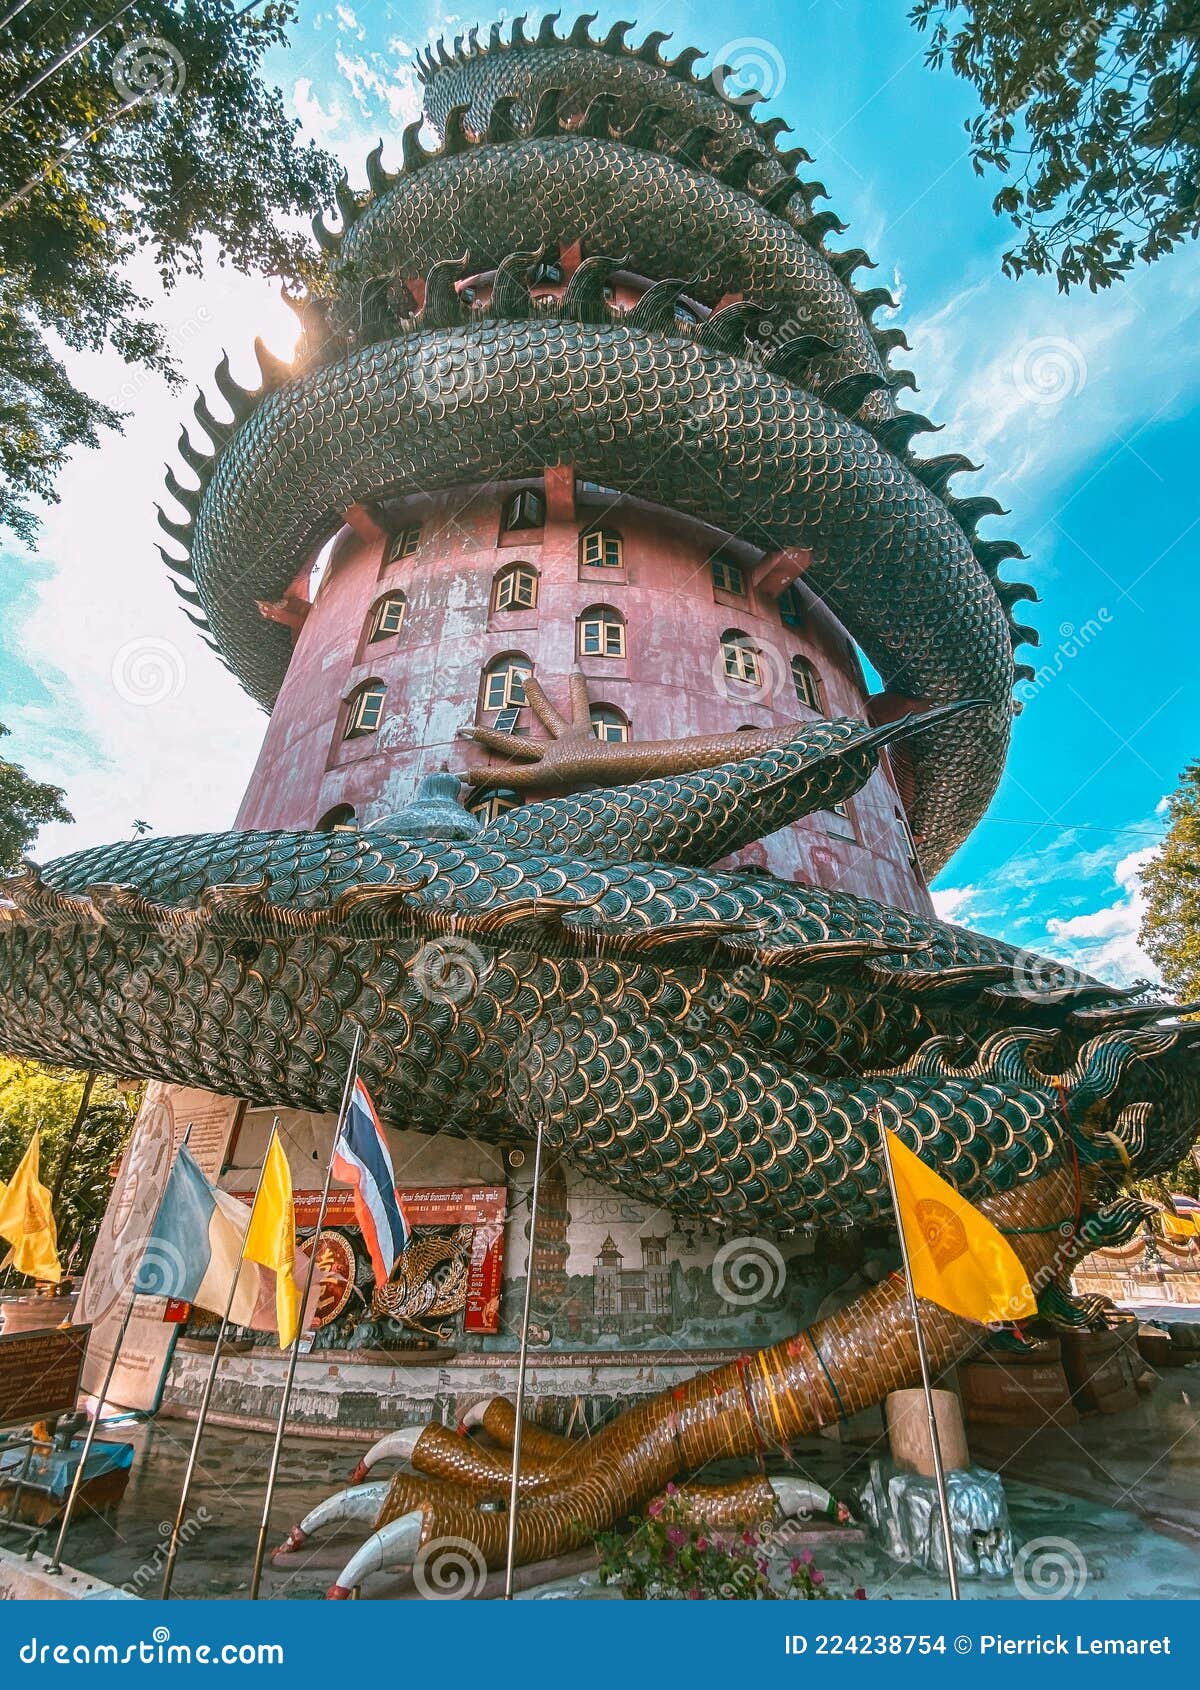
(1074, 827)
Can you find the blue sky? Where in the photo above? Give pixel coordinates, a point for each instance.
(1083, 411)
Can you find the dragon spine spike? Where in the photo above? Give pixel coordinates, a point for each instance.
(329, 240)
(348, 205)
(844, 264)
(274, 372)
(455, 137)
(178, 566)
(241, 400)
(378, 179)
(655, 310)
(200, 463)
(188, 497)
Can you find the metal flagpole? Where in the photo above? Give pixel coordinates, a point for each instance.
(939, 1472)
(522, 1359)
(206, 1397)
(260, 1550)
(90, 1435)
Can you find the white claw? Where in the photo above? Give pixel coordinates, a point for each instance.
(360, 1502)
(397, 1444)
(393, 1545)
(802, 1496)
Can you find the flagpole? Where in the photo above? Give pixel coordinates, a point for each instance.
(260, 1550)
(90, 1435)
(206, 1397)
(522, 1359)
(939, 1472)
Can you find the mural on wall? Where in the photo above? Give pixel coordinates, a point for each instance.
(610, 1274)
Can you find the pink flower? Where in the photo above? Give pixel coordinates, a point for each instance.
(655, 1508)
(702, 1543)
(676, 1536)
(750, 1537)
(806, 1557)
(860, 1595)
(817, 1576)
(693, 1595)
(794, 1566)
(672, 1489)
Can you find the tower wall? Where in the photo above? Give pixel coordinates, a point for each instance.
(669, 684)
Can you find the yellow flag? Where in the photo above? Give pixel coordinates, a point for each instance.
(271, 1239)
(958, 1258)
(1179, 1226)
(27, 1222)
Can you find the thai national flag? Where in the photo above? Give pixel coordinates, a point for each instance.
(362, 1161)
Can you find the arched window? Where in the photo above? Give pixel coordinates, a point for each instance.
(742, 658)
(806, 682)
(728, 576)
(365, 709)
(341, 816)
(601, 632)
(387, 618)
(526, 509)
(493, 804)
(601, 548)
(515, 588)
(504, 690)
(608, 723)
(403, 543)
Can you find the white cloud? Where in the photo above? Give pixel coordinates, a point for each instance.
(1105, 940)
(955, 903)
(1041, 383)
(1099, 884)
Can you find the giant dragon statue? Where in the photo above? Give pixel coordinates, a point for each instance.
(717, 1042)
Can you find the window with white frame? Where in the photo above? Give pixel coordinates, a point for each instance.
(806, 682)
(608, 723)
(601, 632)
(403, 543)
(601, 548)
(742, 658)
(728, 576)
(387, 618)
(504, 684)
(516, 588)
(365, 709)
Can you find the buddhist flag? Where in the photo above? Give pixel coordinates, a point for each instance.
(958, 1258)
(271, 1239)
(27, 1221)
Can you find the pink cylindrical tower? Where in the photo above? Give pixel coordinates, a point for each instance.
(425, 615)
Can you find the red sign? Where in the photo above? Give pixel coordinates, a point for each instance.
(481, 1207)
